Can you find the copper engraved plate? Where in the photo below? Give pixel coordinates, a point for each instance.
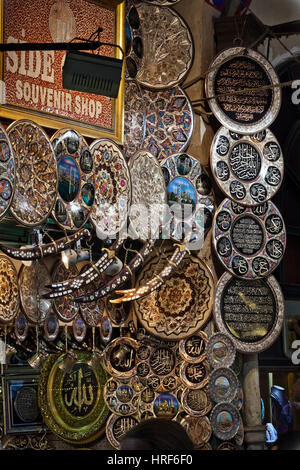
(249, 312)
(220, 350)
(134, 119)
(7, 172)
(236, 69)
(250, 242)
(247, 168)
(168, 47)
(36, 173)
(64, 306)
(180, 306)
(9, 291)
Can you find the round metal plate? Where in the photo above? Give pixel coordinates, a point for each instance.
(198, 429)
(120, 397)
(248, 168)
(220, 350)
(196, 402)
(250, 242)
(51, 326)
(250, 312)
(9, 291)
(236, 69)
(65, 307)
(223, 385)
(117, 427)
(36, 173)
(120, 358)
(134, 119)
(194, 376)
(32, 282)
(7, 171)
(192, 349)
(225, 421)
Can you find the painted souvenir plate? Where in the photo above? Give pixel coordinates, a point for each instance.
(250, 312)
(192, 349)
(190, 197)
(121, 397)
(79, 328)
(236, 69)
(120, 357)
(134, 49)
(247, 168)
(36, 173)
(7, 172)
(166, 60)
(9, 291)
(105, 329)
(134, 119)
(21, 327)
(51, 326)
(117, 427)
(196, 402)
(148, 195)
(64, 306)
(180, 306)
(223, 385)
(198, 429)
(76, 185)
(249, 242)
(194, 376)
(113, 189)
(220, 350)
(225, 421)
(169, 121)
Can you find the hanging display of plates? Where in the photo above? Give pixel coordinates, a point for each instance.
(247, 168)
(120, 358)
(225, 421)
(7, 171)
(120, 397)
(250, 312)
(196, 402)
(182, 304)
(169, 121)
(193, 348)
(250, 242)
(72, 404)
(51, 326)
(133, 41)
(168, 47)
(9, 291)
(148, 201)
(117, 427)
(223, 385)
(36, 173)
(198, 429)
(134, 118)
(32, 282)
(237, 69)
(194, 376)
(65, 307)
(220, 350)
(21, 327)
(189, 194)
(76, 185)
(113, 189)
(79, 329)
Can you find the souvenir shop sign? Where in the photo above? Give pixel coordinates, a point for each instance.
(32, 80)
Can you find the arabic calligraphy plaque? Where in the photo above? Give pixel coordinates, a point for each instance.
(192, 349)
(194, 376)
(117, 427)
(196, 402)
(120, 357)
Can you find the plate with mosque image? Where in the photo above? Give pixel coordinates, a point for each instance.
(225, 421)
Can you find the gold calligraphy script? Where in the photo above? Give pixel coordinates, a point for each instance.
(82, 394)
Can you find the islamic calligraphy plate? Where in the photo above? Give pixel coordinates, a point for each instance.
(79, 328)
(249, 241)
(180, 306)
(7, 172)
(198, 429)
(117, 427)
(113, 189)
(32, 282)
(120, 358)
(196, 402)
(51, 326)
(148, 195)
(76, 185)
(134, 48)
(223, 385)
(134, 118)
(91, 312)
(36, 173)
(121, 397)
(194, 376)
(169, 121)
(9, 292)
(225, 421)
(166, 61)
(72, 404)
(64, 306)
(21, 327)
(220, 350)
(254, 109)
(250, 312)
(193, 348)
(189, 195)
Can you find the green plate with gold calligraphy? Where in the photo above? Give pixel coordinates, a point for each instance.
(72, 404)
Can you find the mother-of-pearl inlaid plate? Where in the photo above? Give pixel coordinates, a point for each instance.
(249, 241)
(247, 168)
(76, 186)
(134, 118)
(9, 291)
(36, 173)
(7, 172)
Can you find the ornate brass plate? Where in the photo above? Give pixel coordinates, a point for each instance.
(247, 168)
(180, 306)
(223, 385)
(32, 282)
(72, 404)
(120, 358)
(134, 118)
(253, 110)
(225, 421)
(196, 402)
(65, 306)
(220, 350)
(121, 397)
(194, 376)
(198, 428)
(192, 349)
(9, 292)
(250, 312)
(7, 171)
(36, 173)
(51, 326)
(250, 242)
(117, 427)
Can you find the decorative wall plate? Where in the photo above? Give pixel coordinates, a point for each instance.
(134, 118)
(225, 421)
(36, 173)
(65, 307)
(113, 189)
(236, 69)
(192, 349)
(79, 328)
(32, 282)
(149, 197)
(189, 195)
(91, 312)
(250, 242)
(220, 350)
(250, 312)
(223, 385)
(9, 291)
(120, 358)
(117, 427)
(194, 376)
(134, 48)
(180, 306)
(21, 327)
(7, 171)
(72, 404)
(76, 185)
(168, 47)
(120, 397)
(169, 121)
(248, 168)
(51, 326)
(198, 429)
(196, 402)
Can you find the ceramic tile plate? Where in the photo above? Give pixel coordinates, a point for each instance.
(169, 121)
(223, 385)
(76, 185)
(250, 312)
(121, 397)
(117, 427)
(113, 189)
(233, 70)
(36, 173)
(64, 306)
(182, 304)
(225, 421)
(168, 47)
(249, 241)
(220, 350)
(133, 41)
(196, 402)
(248, 168)
(7, 172)
(134, 118)
(9, 291)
